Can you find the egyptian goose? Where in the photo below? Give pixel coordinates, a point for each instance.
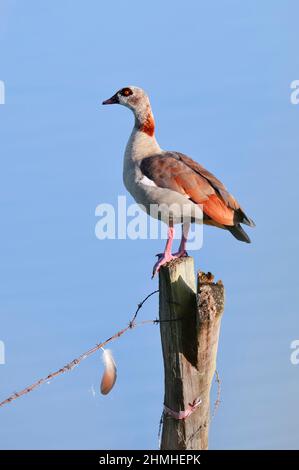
(173, 182)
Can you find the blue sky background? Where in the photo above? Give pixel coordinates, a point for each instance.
(219, 76)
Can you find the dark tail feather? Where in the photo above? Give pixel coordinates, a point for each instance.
(248, 221)
(238, 232)
(241, 217)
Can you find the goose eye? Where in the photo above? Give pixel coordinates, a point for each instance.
(126, 92)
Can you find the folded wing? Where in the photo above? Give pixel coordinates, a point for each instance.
(177, 172)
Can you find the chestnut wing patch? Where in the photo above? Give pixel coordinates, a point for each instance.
(216, 183)
(169, 170)
(228, 199)
(171, 173)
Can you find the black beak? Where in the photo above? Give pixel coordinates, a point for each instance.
(112, 100)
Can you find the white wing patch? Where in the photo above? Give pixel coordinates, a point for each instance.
(147, 182)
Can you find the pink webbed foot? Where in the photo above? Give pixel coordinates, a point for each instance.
(163, 258)
(180, 254)
(166, 256)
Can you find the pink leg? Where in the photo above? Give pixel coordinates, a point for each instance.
(166, 256)
(182, 248)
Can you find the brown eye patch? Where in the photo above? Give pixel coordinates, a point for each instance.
(126, 92)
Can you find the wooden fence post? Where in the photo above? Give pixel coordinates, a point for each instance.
(189, 344)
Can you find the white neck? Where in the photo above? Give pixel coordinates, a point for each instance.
(141, 145)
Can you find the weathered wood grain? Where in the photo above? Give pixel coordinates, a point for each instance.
(189, 345)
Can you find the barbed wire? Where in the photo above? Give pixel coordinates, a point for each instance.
(75, 362)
